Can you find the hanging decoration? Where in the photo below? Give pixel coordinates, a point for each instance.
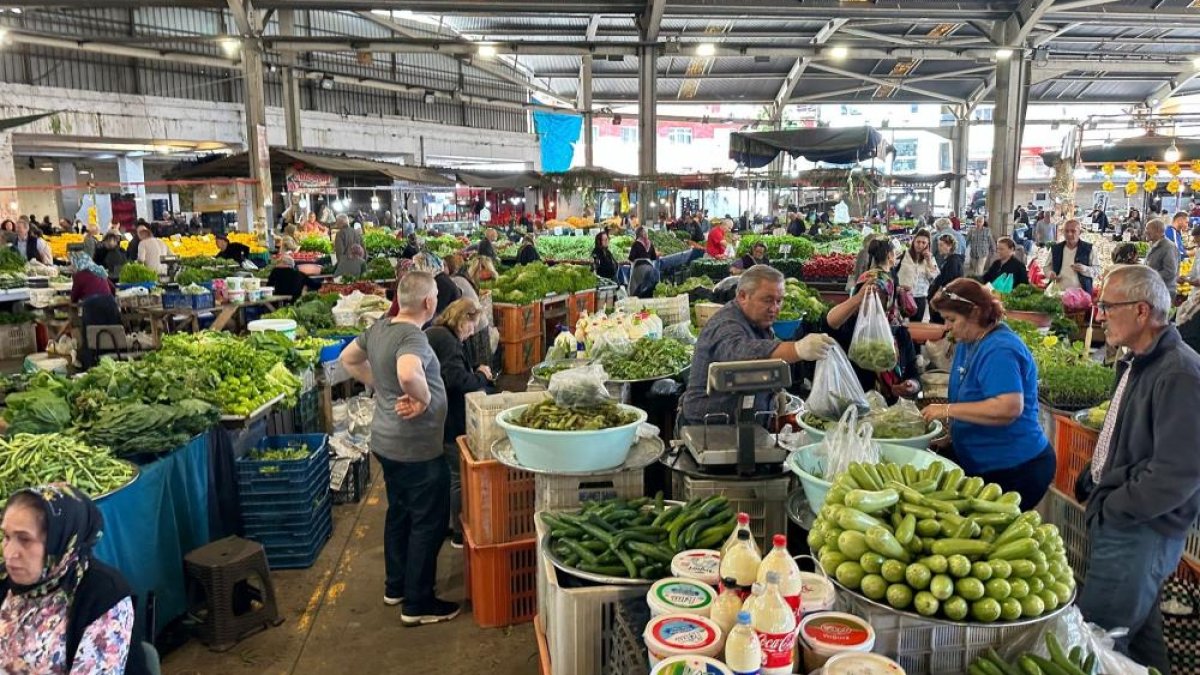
(1196, 166)
(1151, 169)
(1108, 168)
(1107, 186)
(1131, 188)
(1195, 185)
(1150, 185)
(1174, 169)
(1132, 168)
(1174, 186)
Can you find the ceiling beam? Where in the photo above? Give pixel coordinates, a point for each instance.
(801, 64)
(1015, 30)
(920, 78)
(1171, 87)
(887, 83)
(240, 9)
(650, 21)
(592, 27)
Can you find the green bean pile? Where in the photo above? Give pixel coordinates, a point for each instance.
(29, 460)
(549, 416)
(649, 359)
(290, 453)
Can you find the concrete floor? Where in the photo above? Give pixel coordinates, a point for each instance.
(335, 619)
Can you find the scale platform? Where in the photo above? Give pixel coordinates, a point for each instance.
(717, 445)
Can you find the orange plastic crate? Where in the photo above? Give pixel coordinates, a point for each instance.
(498, 502)
(522, 355)
(1073, 445)
(518, 322)
(502, 581)
(583, 302)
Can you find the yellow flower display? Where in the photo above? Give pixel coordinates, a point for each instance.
(1108, 168)
(1131, 188)
(1174, 169)
(1107, 186)
(1174, 186)
(184, 247)
(1151, 169)
(1185, 268)
(1150, 185)
(1131, 168)
(1195, 185)
(1050, 340)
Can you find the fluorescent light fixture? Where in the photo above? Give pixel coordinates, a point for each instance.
(1172, 153)
(838, 52)
(230, 46)
(706, 49)
(46, 167)
(1004, 54)
(487, 51)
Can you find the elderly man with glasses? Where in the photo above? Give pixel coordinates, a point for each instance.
(1142, 487)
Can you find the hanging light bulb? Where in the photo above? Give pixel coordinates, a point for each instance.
(304, 202)
(374, 202)
(1172, 153)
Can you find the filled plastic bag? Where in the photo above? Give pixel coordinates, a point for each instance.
(580, 387)
(835, 387)
(873, 348)
(1003, 283)
(1071, 630)
(850, 441)
(1076, 299)
(681, 332)
(900, 421)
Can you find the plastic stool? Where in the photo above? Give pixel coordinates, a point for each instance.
(238, 597)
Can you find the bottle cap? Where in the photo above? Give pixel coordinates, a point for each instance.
(743, 617)
(772, 577)
(729, 582)
(743, 535)
(743, 518)
(779, 540)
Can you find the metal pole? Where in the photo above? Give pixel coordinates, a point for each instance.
(1012, 88)
(959, 146)
(585, 104)
(647, 131)
(291, 85)
(256, 122)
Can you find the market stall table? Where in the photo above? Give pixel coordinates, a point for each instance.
(160, 317)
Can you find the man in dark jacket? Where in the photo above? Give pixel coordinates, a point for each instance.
(1143, 484)
(231, 250)
(1072, 264)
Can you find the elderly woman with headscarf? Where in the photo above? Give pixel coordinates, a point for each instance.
(89, 278)
(448, 291)
(642, 248)
(288, 243)
(528, 252)
(353, 264)
(287, 280)
(412, 246)
(61, 610)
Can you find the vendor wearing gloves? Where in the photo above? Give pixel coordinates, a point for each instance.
(993, 408)
(741, 331)
(1072, 262)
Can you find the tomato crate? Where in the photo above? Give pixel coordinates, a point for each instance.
(482, 410)
(521, 356)
(502, 581)
(518, 322)
(581, 303)
(1073, 445)
(498, 502)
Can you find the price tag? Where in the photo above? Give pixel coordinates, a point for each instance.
(558, 231)
(785, 250)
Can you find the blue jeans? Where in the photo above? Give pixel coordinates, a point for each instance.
(1125, 574)
(417, 516)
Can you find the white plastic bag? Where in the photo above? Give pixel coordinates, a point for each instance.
(582, 387)
(1071, 630)
(849, 441)
(680, 332)
(873, 348)
(835, 387)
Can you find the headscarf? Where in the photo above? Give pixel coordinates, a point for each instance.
(73, 526)
(357, 251)
(427, 262)
(82, 262)
(286, 261)
(642, 236)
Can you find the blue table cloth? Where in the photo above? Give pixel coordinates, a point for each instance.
(150, 525)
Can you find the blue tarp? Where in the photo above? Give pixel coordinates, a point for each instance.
(558, 134)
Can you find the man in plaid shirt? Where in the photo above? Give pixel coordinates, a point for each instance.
(981, 247)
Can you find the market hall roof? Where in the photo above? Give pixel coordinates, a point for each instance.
(238, 166)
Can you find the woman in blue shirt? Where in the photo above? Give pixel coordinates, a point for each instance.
(993, 408)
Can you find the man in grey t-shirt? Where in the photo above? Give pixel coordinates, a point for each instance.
(395, 358)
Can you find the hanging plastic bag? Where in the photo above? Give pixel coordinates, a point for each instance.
(580, 387)
(873, 348)
(1071, 630)
(848, 442)
(835, 387)
(680, 332)
(900, 421)
(1003, 283)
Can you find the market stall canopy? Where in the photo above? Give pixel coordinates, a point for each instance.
(756, 149)
(1139, 149)
(342, 166)
(14, 122)
(921, 179)
(500, 180)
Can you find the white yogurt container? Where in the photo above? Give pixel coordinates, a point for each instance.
(853, 663)
(675, 595)
(234, 283)
(817, 594)
(686, 665)
(828, 634)
(700, 564)
(681, 635)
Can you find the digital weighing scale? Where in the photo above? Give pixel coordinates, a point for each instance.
(745, 445)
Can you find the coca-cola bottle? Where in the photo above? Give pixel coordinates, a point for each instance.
(740, 563)
(781, 562)
(775, 624)
(743, 523)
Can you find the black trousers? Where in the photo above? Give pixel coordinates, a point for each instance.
(417, 517)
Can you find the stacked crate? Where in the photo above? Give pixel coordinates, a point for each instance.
(286, 504)
(521, 335)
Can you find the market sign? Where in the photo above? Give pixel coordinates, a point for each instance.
(307, 180)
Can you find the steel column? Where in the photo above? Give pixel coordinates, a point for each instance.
(584, 103)
(959, 142)
(291, 85)
(1012, 97)
(647, 132)
(256, 124)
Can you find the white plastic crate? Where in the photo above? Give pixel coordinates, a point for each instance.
(922, 645)
(17, 341)
(1061, 510)
(765, 501)
(672, 310)
(558, 493)
(482, 409)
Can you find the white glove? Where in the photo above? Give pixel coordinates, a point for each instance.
(813, 347)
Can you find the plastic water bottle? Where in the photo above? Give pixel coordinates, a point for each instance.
(743, 652)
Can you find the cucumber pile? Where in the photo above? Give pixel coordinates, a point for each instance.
(941, 544)
(1061, 662)
(637, 538)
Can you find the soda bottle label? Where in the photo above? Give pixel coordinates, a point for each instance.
(793, 601)
(777, 651)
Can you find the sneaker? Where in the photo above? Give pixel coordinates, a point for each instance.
(390, 601)
(435, 612)
(456, 540)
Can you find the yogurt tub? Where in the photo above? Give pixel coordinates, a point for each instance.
(234, 283)
(686, 665)
(853, 663)
(817, 594)
(681, 635)
(675, 595)
(827, 634)
(699, 564)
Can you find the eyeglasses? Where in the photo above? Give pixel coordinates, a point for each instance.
(1106, 307)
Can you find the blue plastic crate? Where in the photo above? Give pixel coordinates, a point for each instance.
(298, 470)
(281, 484)
(176, 300)
(201, 301)
(299, 499)
(333, 351)
(286, 530)
(302, 554)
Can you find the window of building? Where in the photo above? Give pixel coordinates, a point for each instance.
(629, 134)
(983, 113)
(944, 157)
(680, 135)
(905, 147)
(904, 165)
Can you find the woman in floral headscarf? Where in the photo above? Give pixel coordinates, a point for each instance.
(62, 612)
(89, 278)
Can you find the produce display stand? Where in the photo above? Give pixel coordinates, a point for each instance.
(161, 318)
(151, 523)
(240, 421)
